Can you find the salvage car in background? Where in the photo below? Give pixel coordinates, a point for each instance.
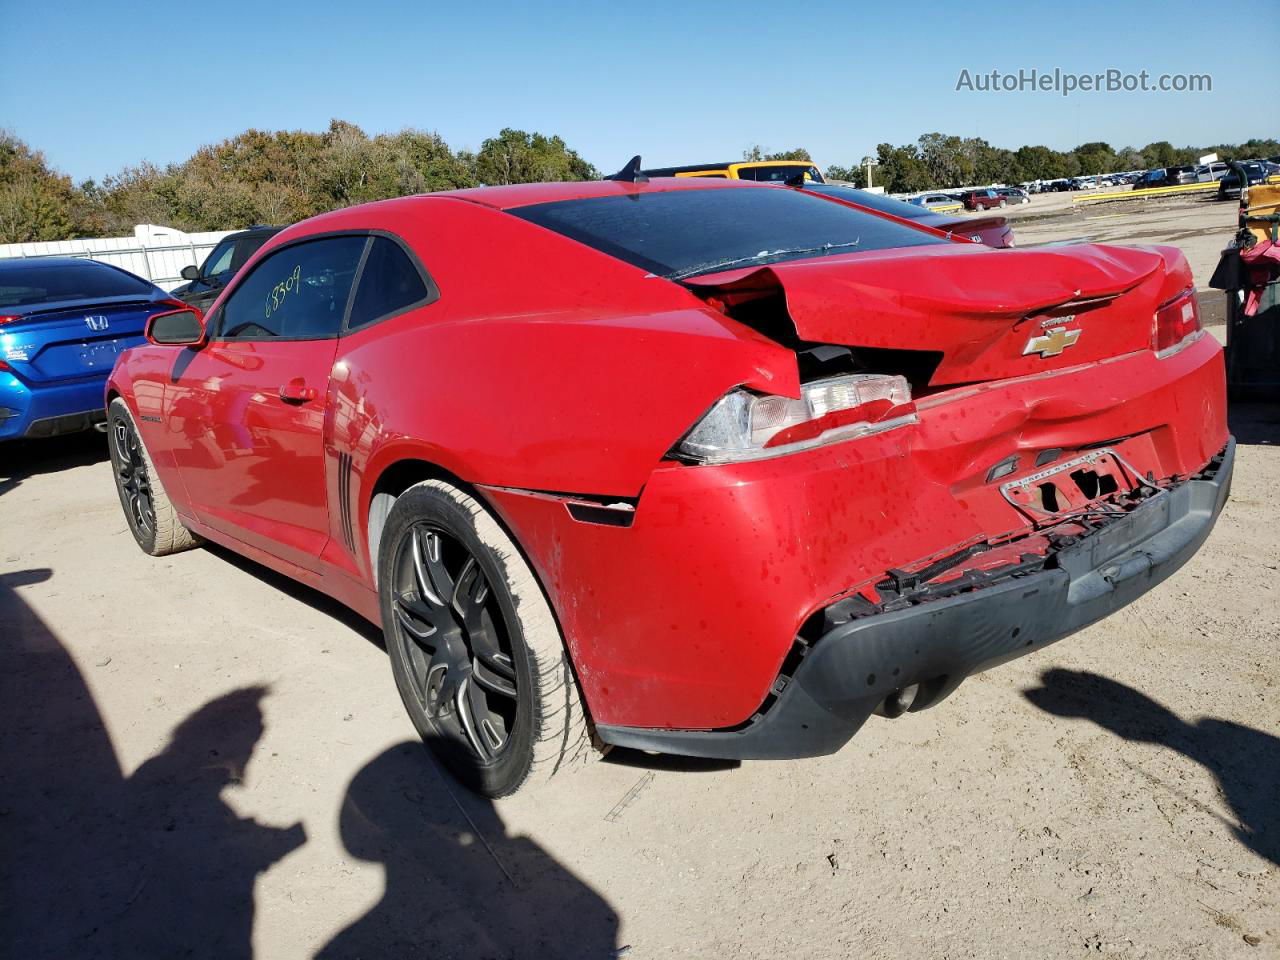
(1150, 180)
(1255, 172)
(232, 252)
(937, 202)
(63, 321)
(1013, 194)
(983, 200)
(724, 467)
(993, 230)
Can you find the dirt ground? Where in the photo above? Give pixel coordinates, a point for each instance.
(203, 759)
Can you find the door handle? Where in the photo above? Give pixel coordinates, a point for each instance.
(297, 391)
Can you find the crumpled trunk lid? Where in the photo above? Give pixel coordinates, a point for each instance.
(988, 314)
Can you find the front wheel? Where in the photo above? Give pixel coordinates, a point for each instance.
(475, 650)
(152, 519)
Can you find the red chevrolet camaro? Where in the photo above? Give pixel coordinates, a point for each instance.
(705, 467)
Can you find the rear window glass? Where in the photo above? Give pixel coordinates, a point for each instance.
(681, 233)
(31, 283)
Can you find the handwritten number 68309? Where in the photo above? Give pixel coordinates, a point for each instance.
(282, 290)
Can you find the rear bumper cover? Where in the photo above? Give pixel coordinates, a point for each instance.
(848, 672)
(44, 410)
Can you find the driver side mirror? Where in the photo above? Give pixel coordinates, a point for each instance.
(180, 328)
(190, 272)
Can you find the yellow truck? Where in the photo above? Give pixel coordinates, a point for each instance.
(769, 171)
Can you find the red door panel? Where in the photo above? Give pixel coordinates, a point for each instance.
(247, 420)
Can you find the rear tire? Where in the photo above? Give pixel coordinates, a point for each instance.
(152, 519)
(475, 650)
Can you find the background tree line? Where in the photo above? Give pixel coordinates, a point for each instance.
(940, 161)
(264, 177)
(287, 175)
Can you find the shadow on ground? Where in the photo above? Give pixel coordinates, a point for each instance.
(626, 757)
(100, 864)
(1246, 762)
(29, 458)
(457, 885)
(1255, 423)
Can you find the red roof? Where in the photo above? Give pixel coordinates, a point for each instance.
(524, 194)
(507, 198)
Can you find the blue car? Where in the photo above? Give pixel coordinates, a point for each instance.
(62, 323)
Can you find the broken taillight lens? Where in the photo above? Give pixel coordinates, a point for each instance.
(1176, 325)
(751, 426)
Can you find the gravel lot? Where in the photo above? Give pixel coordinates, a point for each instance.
(201, 758)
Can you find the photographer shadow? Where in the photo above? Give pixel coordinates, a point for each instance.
(457, 885)
(1245, 761)
(97, 864)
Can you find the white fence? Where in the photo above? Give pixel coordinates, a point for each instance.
(155, 253)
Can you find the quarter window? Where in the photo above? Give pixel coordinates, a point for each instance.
(389, 283)
(298, 292)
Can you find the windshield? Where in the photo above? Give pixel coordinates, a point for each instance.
(26, 283)
(679, 233)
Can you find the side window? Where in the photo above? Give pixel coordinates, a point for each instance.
(219, 260)
(300, 291)
(389, 283)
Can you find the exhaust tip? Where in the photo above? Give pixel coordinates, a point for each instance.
(899, 702)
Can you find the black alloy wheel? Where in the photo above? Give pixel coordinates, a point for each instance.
(455, 642)
(133, 479)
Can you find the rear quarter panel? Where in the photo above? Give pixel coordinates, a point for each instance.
(543, 364)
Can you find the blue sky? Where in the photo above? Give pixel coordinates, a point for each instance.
(100, 85)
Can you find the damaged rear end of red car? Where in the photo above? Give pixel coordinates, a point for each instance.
(988, 451)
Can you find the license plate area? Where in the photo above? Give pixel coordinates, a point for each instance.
(1068, 487)
(96, 356)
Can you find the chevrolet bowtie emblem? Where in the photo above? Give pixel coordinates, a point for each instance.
(1051, 342)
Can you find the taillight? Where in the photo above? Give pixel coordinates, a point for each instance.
(7, 319)
(1176, 325)
(750, 426)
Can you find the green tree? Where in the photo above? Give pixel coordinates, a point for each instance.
(948, 160)
(1096, 157)
(757, 153)
(1160, 154)
(514, 156)
(901, 169)
(1127, 158)
(36, 203)
(994, 164)
(1039, 163)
